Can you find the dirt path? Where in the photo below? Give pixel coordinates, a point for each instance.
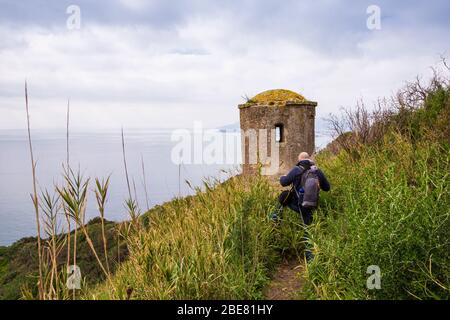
(287, 281)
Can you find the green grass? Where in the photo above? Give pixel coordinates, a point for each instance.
(18, 262)
(218, 244)
(391, 208)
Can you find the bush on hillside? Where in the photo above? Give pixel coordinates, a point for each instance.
(389, 206)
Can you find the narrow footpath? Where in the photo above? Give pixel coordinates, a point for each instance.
(287, 282)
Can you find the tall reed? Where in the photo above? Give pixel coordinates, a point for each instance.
(144, 183)
(74, 196)
(131, 203)
(34, 197)
(68, 166)
(218, 244)
(101, 192)
(71, 199)
(53, 285)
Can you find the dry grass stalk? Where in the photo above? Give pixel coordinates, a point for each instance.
(101, 192)
(34, 198)
(145, 183)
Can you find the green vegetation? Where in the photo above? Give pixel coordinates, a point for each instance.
(218, 244)
(18, 262)
(390, 207)
(275, 97)
(278, 95)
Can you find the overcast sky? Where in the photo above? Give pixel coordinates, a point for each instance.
(151, 64)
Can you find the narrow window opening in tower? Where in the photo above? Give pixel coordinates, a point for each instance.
(279, 134)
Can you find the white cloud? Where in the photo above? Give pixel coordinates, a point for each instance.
(142, 76)
(135, 5)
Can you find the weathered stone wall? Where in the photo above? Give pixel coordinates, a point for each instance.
(298, 130)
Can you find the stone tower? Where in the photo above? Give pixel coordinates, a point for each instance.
(288, 120)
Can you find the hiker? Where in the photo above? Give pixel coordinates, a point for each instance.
(306, 180)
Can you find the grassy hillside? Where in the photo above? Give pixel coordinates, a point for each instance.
(18, 262)
(390, 207)
(218, 244)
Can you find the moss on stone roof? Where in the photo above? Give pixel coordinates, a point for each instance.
(277, 95)
(277, 98)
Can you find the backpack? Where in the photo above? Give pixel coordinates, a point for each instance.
(310, 185)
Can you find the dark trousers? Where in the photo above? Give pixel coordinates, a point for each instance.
(290, 199)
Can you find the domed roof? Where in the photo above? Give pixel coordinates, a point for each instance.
(278, 95)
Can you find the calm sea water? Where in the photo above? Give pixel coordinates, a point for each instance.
(98, 154)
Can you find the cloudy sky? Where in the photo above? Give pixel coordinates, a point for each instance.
(151, 64)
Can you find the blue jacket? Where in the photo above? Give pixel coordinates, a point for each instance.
(294, 176)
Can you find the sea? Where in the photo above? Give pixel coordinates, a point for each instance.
(149, 153)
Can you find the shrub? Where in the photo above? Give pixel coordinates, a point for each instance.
(218, 244)
(389, 207)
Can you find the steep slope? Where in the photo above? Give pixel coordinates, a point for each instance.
(390, 208)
